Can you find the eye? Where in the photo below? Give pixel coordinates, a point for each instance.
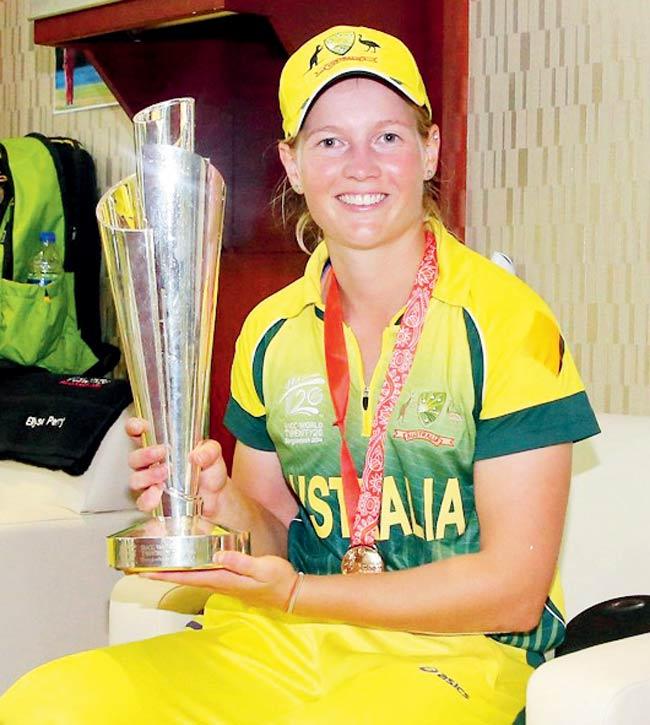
(389, 137)
(329, 143)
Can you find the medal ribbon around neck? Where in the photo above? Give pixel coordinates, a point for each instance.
(364, 503)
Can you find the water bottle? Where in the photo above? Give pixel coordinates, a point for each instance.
(45, 266)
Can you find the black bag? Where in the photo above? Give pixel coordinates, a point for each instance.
(49, 183)
(57, 421)
(607, 621)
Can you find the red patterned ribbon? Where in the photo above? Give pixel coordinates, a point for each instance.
(364, 504)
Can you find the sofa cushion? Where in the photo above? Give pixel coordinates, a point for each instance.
(30, 493)
(606, 545)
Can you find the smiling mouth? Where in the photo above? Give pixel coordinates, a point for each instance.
(362, 200)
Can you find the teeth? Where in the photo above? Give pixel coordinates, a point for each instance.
(362, 199)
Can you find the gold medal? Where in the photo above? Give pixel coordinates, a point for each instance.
(362, 560)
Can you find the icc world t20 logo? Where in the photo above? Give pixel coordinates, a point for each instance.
(303, 395)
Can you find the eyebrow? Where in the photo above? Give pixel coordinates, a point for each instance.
(336, 129)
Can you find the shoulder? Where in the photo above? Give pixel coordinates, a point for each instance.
(470, 280)
(499, 304)
(259, 328)
(287, 302)
(529, 391)
(278, 307)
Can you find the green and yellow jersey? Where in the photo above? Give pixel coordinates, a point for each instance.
(491, 376)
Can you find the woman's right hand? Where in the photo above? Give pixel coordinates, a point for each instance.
(150, 470)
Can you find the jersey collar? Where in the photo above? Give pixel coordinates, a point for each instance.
(313, 275)
(450, 288)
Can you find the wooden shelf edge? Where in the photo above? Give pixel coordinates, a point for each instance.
(125, 15)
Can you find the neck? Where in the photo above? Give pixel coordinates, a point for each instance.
(375, 283)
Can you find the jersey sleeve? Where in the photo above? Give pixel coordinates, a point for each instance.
(245, 414)
(530, 394)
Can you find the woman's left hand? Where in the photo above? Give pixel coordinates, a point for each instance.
(263, 581)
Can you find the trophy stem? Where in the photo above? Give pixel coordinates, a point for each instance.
(174, 503)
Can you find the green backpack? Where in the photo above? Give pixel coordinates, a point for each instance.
(49, 185)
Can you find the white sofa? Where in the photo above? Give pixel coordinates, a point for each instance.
(605, 554)
(55, 580)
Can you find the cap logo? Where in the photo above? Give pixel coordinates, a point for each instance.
(370, 44)
(340, 43)
(313, 61)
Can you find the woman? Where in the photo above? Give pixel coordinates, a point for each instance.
(400, 356)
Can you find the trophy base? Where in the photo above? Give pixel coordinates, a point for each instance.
(172, 544)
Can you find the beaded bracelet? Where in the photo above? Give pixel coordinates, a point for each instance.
(295, 591)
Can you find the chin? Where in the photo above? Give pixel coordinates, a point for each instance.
(359, 241)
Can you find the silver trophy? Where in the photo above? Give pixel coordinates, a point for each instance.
(161, 233)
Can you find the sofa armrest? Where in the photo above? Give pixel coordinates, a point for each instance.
(142, 608)
(607, 684)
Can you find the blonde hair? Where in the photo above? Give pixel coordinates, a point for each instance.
(293, 207)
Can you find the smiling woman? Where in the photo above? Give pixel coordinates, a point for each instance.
(404, 415)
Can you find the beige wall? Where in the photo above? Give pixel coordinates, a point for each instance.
(559, 172)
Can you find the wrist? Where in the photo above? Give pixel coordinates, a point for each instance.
(294, 592)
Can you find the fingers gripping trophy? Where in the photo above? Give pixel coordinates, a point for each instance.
(161, 233)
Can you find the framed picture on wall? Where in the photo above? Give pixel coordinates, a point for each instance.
(77, 85)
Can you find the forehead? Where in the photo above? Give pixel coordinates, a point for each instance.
(353, 100)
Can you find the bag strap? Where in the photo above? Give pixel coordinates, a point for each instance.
(79, 195)
(37, 200)
(64, 191)
(6, 216)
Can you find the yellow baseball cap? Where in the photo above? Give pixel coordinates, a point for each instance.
(345, 51)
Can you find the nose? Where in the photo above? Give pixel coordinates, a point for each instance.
(361, 163)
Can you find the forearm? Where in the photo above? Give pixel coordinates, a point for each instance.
(466, 593)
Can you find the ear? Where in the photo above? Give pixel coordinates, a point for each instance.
(290, 163)
(431, 152)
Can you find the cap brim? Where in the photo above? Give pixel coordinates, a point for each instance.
(355, 73)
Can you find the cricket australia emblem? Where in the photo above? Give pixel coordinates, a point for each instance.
(340, 43)
(425, 409)
(430, 406)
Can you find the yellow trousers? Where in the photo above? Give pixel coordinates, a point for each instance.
(252, 666)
